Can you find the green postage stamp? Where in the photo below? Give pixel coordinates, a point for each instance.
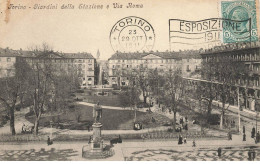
(243, 15)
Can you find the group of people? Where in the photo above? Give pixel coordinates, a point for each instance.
(254, 135)
(183, 125)
(181, 140)
(27, 128)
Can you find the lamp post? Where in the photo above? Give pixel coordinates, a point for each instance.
(257, 108)
(238, 102)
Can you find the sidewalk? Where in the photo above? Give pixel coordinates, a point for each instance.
(72, 150)
(245, 113)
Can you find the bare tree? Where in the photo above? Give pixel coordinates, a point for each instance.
(173, 91)
(130, 95)
(142, 82)
(221, 78)
(13, 87)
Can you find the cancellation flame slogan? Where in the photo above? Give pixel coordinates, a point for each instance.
(81, 6)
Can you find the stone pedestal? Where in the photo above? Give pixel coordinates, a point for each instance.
(96, 144)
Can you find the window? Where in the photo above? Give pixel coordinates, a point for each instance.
(89, 79)
(188, 68)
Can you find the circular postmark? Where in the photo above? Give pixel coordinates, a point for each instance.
(132, 34)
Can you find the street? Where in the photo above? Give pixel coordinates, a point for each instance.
(135, 150)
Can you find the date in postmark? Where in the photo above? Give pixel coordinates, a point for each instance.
(132, 34)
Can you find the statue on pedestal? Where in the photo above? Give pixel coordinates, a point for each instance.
(97, 112)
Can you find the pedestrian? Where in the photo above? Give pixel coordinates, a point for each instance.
(181, 120)
(89, 141)
(253, 132)
(49, 141)
(244, 129)
(244, 137)
(257, 137)
(219, 152)
(186, 119)
(180, 140)
(185, 140)
(193, 143)
(23, 128)
(186, 126)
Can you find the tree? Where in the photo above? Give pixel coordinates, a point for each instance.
(221, 78)
(13, 87)
(130, 95)
(142, 82)
(173, 91)
(205, 90)
(227, 73)
(41, 82)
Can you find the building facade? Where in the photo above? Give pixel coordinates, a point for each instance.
(83, 63)
(249, 84)
(122, 63)
(7, 63)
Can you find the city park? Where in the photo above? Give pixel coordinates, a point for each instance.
(155, 109)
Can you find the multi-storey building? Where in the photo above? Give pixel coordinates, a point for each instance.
(83, 63)
(121, 63)
(191, 64)
(249, 54)
(7, 60)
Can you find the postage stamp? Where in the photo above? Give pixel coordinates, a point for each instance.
(132, 34)
(244, 11)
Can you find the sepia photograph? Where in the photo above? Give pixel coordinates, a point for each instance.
(129, 80)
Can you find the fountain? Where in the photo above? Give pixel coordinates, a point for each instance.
(101, 90)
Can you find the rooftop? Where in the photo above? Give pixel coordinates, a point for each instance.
(164, 55)
(22, 53)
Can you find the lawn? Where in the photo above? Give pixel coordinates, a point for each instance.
(81, 116)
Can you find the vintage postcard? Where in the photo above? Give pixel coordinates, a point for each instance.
(129, 80)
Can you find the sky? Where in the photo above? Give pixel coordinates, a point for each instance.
(74, 30)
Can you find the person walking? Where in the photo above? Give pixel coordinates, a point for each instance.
(49, 141)
(185, 140)
(253, 132)
(244, 129)
(244, 137)
(193, 143)
(180, 140)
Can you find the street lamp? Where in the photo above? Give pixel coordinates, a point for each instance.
(257, 108)
(238, 104)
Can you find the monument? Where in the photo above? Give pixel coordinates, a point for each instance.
(96, 149)
(96, 140)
